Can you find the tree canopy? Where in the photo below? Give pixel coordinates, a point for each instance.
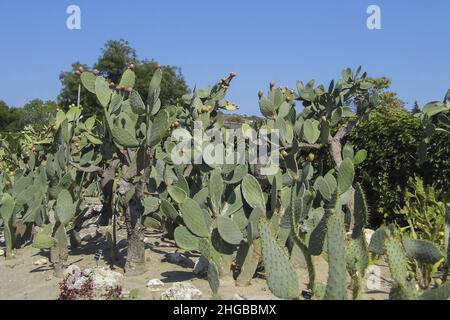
(116, 56)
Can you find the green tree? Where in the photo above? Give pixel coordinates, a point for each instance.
(391, 137)
(115, 58)
(416, 109)
(385, 97)
(11, 119)
(173, 85)
(69, 91)
(39, 113)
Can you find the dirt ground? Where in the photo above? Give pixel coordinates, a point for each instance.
(21, 279)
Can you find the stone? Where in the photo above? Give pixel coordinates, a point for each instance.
(41, 262)
(2, 253)
(180, 259)
(87, 272)
(75, 281)
(368, 234)
(73, 270)
(201, 266)
(155, 285)
(182, 291)
(237, 296)
(104, 278)
(89, 233)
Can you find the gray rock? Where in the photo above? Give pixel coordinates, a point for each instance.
(237, 296)
(104, 278)
(73, 270)
(89, 233)
(41, 262)
(201, 266)
(182, 291)
(87, 272)
(155, 285)
(180, 259)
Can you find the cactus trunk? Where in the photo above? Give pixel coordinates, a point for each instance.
(135, 264)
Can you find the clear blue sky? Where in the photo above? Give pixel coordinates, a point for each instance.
(261, 40)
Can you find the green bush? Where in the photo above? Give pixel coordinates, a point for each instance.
(391, 137)
(437, 168)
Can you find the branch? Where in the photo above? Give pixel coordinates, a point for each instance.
(90, 169)
(336, 142)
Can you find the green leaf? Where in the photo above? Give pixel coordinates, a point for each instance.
(154, 88)
(151, 204)
(168, 210)
(177, 194)
(440, 293)
(44, 240)
(136, 103)
(88, 80)
(159, 128)
(216, 190)
(284, 109)
(93, 139)
(346, 174)
(311, 131)
(337, 275)
(323, 187)
(185, 239)
(424, 251)
(252, 192)
(266, 108)
(128, 79)
(194, 218)
(433, 108)
(213, 278)
(237, 175)
(102, 91)
(229, 231)
(377, 243)
(7, 207)
(65, 207)
(124, 138)
(348, 151)
(360, 157)
(281, 276)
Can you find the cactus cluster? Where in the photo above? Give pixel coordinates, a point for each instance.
(240, 219)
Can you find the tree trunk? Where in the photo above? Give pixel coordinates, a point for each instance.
(107, 190)
(135, 264)
(336, 154)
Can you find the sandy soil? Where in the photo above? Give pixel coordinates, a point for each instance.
(21, 279)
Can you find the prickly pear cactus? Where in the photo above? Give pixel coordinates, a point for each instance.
(337, 274)
(281, 276)
(6, 212)
(398, 266)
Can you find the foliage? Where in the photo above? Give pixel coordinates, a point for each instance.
(10, 118)
(114, 60)
(235, 215)
(389, 164)
(425, 217)
(380, 92)
(39, 113)
(399, 252)
(70, 291)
